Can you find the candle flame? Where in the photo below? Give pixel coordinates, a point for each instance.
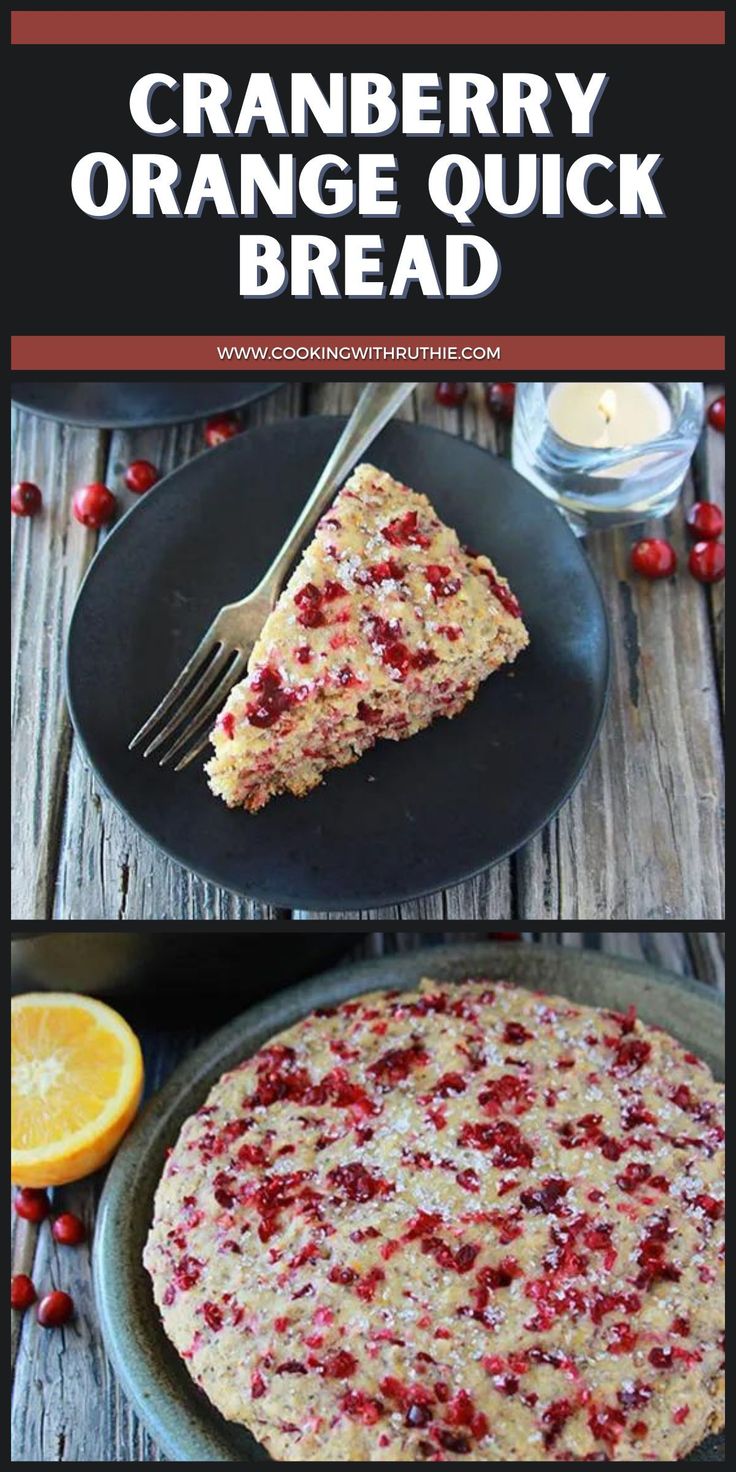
(607, 404)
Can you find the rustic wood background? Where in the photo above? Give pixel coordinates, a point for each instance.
(640, 839)
(66, 1403)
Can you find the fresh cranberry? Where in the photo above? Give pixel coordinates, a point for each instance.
(396, 1065)
(707, 562)
(68, 1229)
(220, 428)
(705, 521)
(500, 399)
(662, 1359)
(31, 1204)
(94, 505)
(22, 1291)
(25, 498)
(717, 414)
(652, 557)
(451, 394)
(140, 476)
(55, 1309)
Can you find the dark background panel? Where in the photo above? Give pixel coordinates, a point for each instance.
(72, 274)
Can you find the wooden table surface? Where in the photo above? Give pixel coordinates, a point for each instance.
(640, 839)
(66, 1403)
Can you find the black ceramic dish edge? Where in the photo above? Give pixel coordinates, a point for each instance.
(213, 1057)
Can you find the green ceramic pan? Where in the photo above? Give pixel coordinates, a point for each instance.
(177, 1414)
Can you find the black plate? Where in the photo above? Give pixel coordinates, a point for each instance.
(102, 405)
(411, 816)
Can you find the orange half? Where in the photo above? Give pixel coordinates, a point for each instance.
(76, 1084)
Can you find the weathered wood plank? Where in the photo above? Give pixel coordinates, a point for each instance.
(108, 868)
(49, 556)
(642, 835)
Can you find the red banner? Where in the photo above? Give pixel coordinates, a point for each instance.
(363, 27)
(342, 355)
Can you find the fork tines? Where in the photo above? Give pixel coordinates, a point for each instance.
(204, 684)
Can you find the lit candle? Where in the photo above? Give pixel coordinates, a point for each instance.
(607, 416)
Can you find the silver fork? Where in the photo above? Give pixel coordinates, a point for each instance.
(221, 657)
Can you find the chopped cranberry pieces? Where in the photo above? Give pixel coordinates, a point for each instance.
(631, 1055)
(257, 1386)
(380, 572)
(340, 1365)
(634, 1394)
(554, 1419)
(212, 1316)
(396, 1065)
(404, 531)
(309, 602)
(623, 1339)
(502, 592)
(634, 1175)
(502, 1139)
(516, 1034)
(606, 1424)
(357, 1183)
(468, 1179)
(680, 1415)
(272, 699)
(342, 1275)
(442, 585)
(291, 1367)
(362, 1407)
(662, 1359)
(506, 1095)
(711, 1208)
(548, 1197)
(681, 1326)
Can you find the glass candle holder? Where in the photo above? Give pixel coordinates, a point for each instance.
(600, 485)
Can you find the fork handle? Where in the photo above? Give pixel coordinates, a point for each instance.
(377, 404)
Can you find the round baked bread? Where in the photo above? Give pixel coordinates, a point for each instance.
(468, 1221)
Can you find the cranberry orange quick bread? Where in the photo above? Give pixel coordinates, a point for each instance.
(468, 1222)
(385, 624)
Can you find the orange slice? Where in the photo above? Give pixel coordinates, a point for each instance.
(76, 1083)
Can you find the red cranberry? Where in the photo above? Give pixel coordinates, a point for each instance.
(31, 1204)
(68, 1229)
(220, 428)
(55, 1309)
(140, 476)
(500, 399)
(22, 1291)
(25, 498)
(717, 414)
(451, 394)
(707, 562)
(705, 521)
(652, 557)
(94, 505)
